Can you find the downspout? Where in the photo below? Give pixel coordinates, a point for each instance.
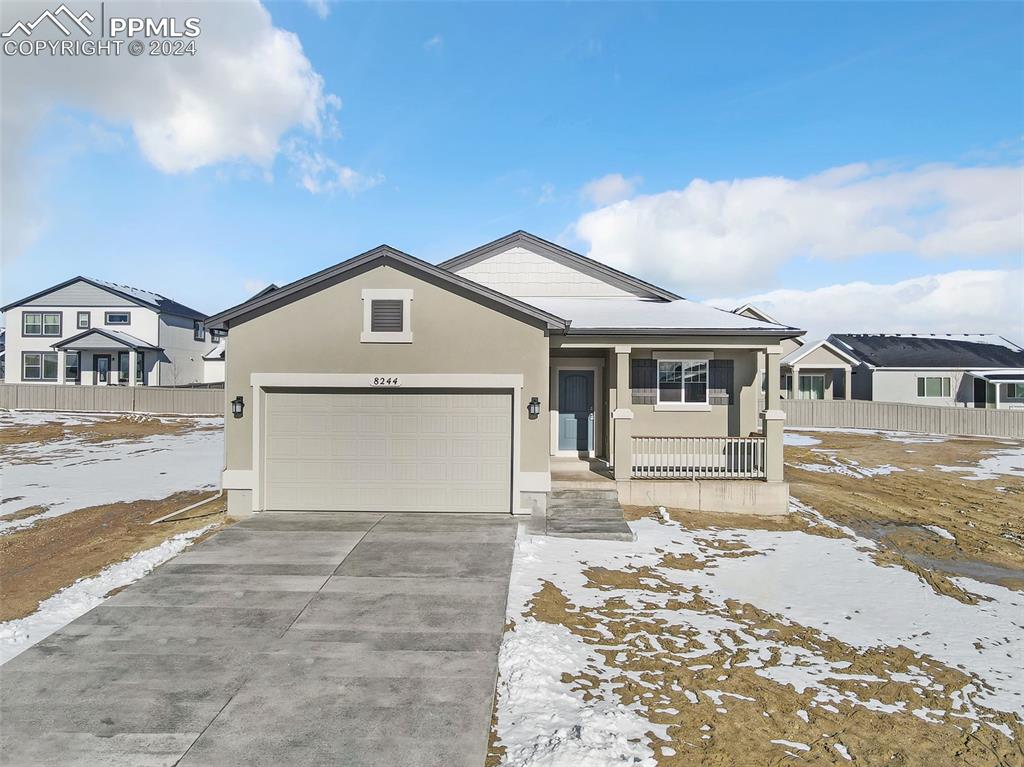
(167, 517)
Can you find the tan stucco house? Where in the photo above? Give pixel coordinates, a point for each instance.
(819, 370)
(389, 383)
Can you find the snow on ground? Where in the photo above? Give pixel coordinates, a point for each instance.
(799, 440)
(77, 599)
(1008, 462)
(69, 474)
(543, 720)
(846, 467)
(905, 437)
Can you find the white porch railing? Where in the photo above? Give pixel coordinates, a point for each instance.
(698, 457)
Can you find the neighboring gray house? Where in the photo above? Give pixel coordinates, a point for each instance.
(388, 383)
(962, 370)
(92, 332)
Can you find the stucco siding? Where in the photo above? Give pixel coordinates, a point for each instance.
(822, 357)
(320, 333)
(522, 273)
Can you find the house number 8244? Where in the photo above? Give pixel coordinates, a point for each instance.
(385, 380)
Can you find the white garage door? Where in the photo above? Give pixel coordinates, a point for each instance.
(357, 450)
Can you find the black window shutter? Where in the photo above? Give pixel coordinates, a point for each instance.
(386, 316)
(720, 383)
(643, 380)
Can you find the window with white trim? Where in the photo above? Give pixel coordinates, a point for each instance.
(39, 366)
(387, 316)
(118, 318)
(811, 387)
(1015, 391)
(198, 330)
(72, 367)
(682, 382)
(933, 386)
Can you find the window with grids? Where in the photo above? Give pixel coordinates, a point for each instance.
(933, 386)
(683, 381)
(41, 323)
(198, 330)
(39, 366)
(83, 320)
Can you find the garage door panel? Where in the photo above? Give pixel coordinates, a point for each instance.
(377, 451)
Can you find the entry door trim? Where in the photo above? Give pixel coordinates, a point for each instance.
(595, 364)
(96, 368)
(260, 382)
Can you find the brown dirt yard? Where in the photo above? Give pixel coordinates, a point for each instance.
(718, 680)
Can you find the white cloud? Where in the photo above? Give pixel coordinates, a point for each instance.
(248, 84)
(734, 235)
(972, 301)
(435, 43)
(320, 174)
(320, 7)
(609, 189)
(547, 193)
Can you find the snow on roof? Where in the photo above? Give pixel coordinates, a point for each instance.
(217, 352)
(802, 351)
(640, 313)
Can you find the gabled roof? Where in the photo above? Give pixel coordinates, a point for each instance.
(913, 350)
(557, 252)
(135, 295)
(798, 354)
(113, 335)
(382, 255)
(217, 352)
(750, 310)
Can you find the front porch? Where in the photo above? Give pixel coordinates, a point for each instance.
(672, 422)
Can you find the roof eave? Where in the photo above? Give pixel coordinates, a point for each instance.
(780, 333)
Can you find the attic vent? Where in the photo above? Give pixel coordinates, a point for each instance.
(386, 316)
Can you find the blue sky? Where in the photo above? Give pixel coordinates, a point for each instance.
(462, 122)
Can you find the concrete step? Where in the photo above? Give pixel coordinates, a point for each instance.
(582, 484)
(579, 494)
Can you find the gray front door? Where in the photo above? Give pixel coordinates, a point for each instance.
(576, 410)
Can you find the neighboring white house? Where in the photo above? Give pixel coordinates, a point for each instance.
(92, 332)
(981, 370)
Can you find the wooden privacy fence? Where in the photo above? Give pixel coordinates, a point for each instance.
(698, 457)
(899, 416)
(112, 399)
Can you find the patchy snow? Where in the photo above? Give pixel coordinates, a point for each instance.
(905, 437)
(941, 532)
(798, 440)
(70, 474)
(69, 603)
(1000, 463)
(792, 744)
(542, 720)
(842, 751)
(847, 468)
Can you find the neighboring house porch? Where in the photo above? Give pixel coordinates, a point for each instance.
(998, 389)
(818, 371)
(102, 358)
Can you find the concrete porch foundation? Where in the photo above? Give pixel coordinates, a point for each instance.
(741, 496)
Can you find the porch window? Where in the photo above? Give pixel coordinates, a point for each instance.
(933, 386)
(123, 362)
(39, 366)
(811, 387)
(683, 382)
(72, 367)
(118, 318)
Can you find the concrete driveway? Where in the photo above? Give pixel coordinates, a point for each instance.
(288, 639)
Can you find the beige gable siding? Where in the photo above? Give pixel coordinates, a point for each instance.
(822, 357)
(80, 294)
(788, 345)
(523, 274)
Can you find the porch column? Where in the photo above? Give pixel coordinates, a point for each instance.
(771, 371)
(849, 383)
(61, 359)
(133, 357)
(794, 383)
(622, 416)
(772, 422)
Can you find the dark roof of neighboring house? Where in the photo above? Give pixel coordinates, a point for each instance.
(931, 351)
(136, 295)
(533, 242)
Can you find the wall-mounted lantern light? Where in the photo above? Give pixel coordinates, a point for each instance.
(533, 408)
(237, 406)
